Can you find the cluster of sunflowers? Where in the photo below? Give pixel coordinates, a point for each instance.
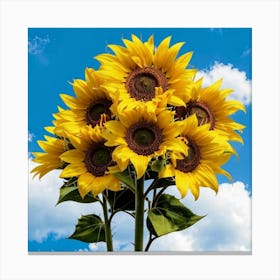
(139, 124)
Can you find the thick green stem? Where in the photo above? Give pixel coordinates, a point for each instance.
(139, 215)
(108, 232)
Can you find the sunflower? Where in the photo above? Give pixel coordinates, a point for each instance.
(49, 160)
(58, 124)
(53, 147)
(90, 106)
(90, 161)
(141, 136)
(207, 152)
(139, 72)
(210, 106)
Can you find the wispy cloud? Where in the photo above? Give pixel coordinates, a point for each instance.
(218, 30)
(37, 45)
(30, 136)
(233, 78)
(246, 52)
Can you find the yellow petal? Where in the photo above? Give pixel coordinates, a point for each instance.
(181, 182)
(114, 141)
(84, 184)
(184, 60)
(71, 102)
(73, 169)
(114, 183)
(98, 185)
(73, 156)
(167, 171)
(232, 106)
(161, 52)
(174, 129)
(207, 177)
(50, 129)
(164, 118)
(176, 101)
(140, 164)
(116, 128)
(121, 155)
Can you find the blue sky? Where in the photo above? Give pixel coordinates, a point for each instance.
(56, 56)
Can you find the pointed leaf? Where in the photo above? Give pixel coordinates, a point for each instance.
(125, 178)
(90, 228)
(170, 215)
(72, 194)
(69, 192)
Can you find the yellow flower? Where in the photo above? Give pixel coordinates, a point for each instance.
(210, 106)
(90, 161)
(139, 72)
(90, 106)
(141, 135)
(49, 159)
(207, 152)
(53, 147)
(58, 124)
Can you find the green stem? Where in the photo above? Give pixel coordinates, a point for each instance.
(139, 215)
(149, 243)
(108, 232)
(156, 197)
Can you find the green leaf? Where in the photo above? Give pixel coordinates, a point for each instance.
(170, 215)
(72, 194)
(90, 228)
(122, 200)
(157, 165)
(69, 192)
(125, 178)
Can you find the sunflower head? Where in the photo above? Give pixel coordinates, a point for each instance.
(90, 106)
(210, 106)
(140, 135)
(138, 70)
(207, 152)
(49, 159)
(90, 161)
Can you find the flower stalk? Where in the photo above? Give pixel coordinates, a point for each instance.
(139, 215)
(108, 232)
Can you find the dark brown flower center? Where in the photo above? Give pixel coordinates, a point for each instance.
(95, 111)
(191, 161)
(203, 112)
(144, 138)
(98, 158)
(141, 83)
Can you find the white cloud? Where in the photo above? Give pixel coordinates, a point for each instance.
(30, 136)
(232, 78)
(227, 226)
(37, 45)
(44, 217)
(123, 232)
